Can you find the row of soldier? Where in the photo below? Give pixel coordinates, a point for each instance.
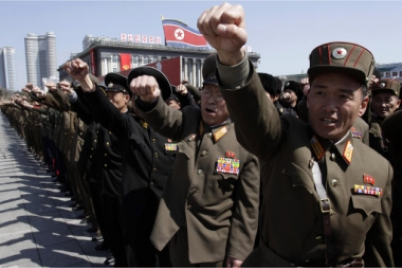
(175, 186)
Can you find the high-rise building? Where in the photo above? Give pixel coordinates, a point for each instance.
(7, 68)
(40, 54)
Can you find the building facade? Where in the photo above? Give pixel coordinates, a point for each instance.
(8, 76)
(41, 60)
(105, 55)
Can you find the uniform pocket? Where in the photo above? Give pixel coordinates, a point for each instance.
(367, 204)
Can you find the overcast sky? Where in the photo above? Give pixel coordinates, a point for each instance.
(282, 32)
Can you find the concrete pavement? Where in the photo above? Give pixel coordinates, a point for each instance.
(37, 225)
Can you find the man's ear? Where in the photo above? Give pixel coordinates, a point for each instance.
(363, 106)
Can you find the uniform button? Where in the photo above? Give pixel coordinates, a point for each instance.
(80, 133)
(199, 172)
(95, 141)
(105, 165)
(156, 154)
(105, 154)
(110, 133)
(204, 153)
(92, 148)
(107, 143)
(153, 140)
(97, 132)
(334, 183)
(319, 237)
(152, 183)
(90, 156)
(332, 157)
(154, 169)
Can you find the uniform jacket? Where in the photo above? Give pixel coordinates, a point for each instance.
(146, 163)
(392, 129)
(220, 210)
(291, 219)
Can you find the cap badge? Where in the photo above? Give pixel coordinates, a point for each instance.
(382, 85)
(339, 53)
(110, 85)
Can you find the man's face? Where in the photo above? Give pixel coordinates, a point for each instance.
(213, 106)
(334, 102)
(173, 103)
(292, 99)
(384, 104)
(118, 99)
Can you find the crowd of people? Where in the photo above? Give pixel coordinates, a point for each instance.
(247, 170)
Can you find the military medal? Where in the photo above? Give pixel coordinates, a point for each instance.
(368, 179)
(171, 147)
(367, 190)
(228, 166)
(230, 154)
(356, 134)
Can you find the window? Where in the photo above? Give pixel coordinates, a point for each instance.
(115, 70)
(400, 73)
(134, 61)
(387, 74)
(114, 58)
(145, 60)
(394, 74)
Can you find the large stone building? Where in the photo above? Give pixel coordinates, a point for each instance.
(41, 60)
(105, 55)
(8, 76)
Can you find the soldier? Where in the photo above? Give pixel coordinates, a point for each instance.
(384, 102)
(146, 164)
(272, 90)
(209, 208)
(290, 97)
(326, 198)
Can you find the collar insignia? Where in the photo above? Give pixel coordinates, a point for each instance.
(348, 152)
(317, 148)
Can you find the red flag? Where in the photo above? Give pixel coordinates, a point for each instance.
(123, 37)
(178, 34)
(125, 61)
(151, 39)
(130, 37)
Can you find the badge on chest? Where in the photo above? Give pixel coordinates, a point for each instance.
(228, 164)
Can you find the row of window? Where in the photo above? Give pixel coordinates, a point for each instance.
(391, 74)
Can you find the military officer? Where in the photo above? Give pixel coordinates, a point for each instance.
(326, 199)
(209, 208)
(146, 164)
(384, 102)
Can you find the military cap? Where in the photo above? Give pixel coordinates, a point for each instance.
(209, 69)
(116, 83)
(343, 57)
(392, 86)
(269, 83)
(164, 84)
(173, 95)
(292, 85)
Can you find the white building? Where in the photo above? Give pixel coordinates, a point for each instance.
(40, 54)
(8, 77)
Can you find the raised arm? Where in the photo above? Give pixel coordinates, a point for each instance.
(258, 126)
